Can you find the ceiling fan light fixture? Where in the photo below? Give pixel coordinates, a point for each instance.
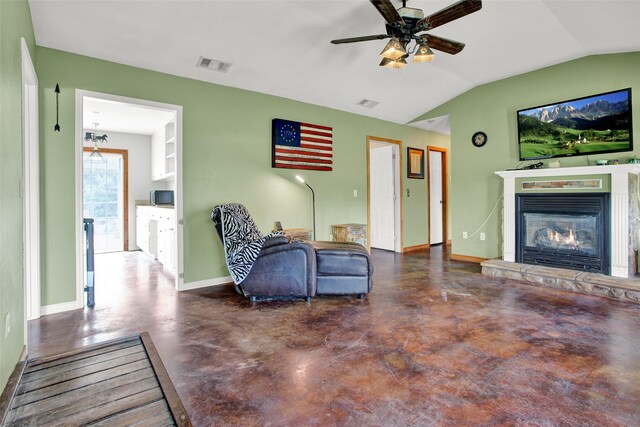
(423, 54)
(405, 25)
(393, 50)
(393, 63)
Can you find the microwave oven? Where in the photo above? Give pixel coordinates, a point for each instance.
(161, 197)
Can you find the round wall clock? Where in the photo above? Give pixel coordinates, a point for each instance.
(479, 139)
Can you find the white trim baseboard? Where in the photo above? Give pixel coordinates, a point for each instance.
(59, 308)
(226, 280)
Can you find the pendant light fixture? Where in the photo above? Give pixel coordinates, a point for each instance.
(95, 153)
(94, 137)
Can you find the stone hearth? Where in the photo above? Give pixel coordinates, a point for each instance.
(577, 281)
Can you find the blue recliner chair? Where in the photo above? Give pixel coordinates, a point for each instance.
(271, 266)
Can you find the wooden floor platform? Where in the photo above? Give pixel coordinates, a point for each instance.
(119, 383)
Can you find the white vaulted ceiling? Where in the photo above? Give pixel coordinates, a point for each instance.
(282, 47)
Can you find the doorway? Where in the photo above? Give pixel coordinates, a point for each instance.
(437, 167)
(31, 187)
(135, 129)
(384, 187)
(105, 192)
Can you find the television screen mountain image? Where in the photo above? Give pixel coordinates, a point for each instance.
(592, 125)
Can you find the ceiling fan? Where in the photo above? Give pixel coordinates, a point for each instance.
(403, 26)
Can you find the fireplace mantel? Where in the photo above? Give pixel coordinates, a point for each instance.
(579, 170)
(619, 215)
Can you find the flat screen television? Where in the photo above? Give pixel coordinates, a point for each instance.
(590, 125)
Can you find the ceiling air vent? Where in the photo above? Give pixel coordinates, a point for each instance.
(212, 64)
(368, 103)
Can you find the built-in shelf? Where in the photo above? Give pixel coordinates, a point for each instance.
(163, 153)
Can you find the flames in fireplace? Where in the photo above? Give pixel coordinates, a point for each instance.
(559, 238)
(563, 238)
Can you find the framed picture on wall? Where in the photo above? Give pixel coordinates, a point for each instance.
(415, 163)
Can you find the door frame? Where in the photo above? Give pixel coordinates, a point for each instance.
(445, 194)
(80, 243)
(30, 187)
(125, 189)
(398, 208)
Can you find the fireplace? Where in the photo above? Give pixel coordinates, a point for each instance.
(624, 209)
(563, 230)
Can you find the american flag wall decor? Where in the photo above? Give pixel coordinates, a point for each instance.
(298, 145)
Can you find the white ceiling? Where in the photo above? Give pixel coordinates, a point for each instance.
(121, 117)
(436, 124)
(282, 47)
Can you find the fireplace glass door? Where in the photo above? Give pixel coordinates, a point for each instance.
(556, 232)
(563, 230)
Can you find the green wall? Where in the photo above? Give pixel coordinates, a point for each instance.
(15, 22)
(227, 158)
(475, 188)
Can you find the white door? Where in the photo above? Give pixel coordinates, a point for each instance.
(435, 197)
(31, 187)
(382, 194)
(103, 200)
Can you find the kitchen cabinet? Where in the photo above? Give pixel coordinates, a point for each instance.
(163, 153)
(167, 238)
(156, 234)
(146, 231)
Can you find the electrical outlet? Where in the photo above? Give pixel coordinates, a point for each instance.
(465, 235)
(7, 323)
(355, 193)
(482, 236)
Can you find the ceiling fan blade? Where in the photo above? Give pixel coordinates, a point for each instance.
(448, 14)
(361, 39)
(444, 45)
(386, 9)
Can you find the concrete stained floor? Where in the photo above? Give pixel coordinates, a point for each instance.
(435, 343)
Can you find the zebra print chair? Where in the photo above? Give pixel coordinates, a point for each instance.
(264, 266)
(271, 266)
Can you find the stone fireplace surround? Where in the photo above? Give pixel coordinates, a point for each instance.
(621, 283)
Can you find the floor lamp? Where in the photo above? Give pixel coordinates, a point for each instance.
(313, 198)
